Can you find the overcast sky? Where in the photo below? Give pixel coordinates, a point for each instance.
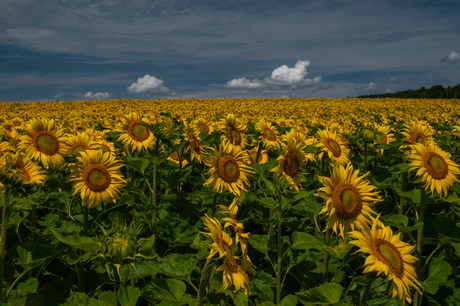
(143, 49)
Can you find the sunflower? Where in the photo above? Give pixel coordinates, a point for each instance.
(228, 172)
(333, 145)
(106, 146)
(349, 198)
(32, 173)
(5, 147)
(234, 131)
(43, 141)
(97, 178)
(221, 240)
(197, 150)
(17, 123)
(79, 143)
(390, 256)
(174, 157)
(269, 135)
(202, 126)
(134, 135)
(415, 132)
(234, 275)
(289, 163)
(250, 156)
(434, 167)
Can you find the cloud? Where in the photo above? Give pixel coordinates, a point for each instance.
(148, 84)
(97, 95)
(281, 79)
(372, 86)
(388, 90)
(57, 96)
(452, 58)
(26, 34)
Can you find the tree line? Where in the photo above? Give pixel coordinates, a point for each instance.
(435, 92)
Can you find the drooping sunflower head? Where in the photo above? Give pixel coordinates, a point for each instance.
(79, 143)
(333, 146)
(269, 135)
(434, 168)
(228, 171)
(43, 141)
(388, 255)
(384, 135)
(97, 178)
(250, 156)
(233, 131)
(289, 163)
(201, 125)
(349, 198)
(196, 149)
(133, 134)
(414, 132)
(32, 173)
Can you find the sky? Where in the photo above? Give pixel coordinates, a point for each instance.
(157, 49)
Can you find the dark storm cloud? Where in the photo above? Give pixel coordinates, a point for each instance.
(196, 47)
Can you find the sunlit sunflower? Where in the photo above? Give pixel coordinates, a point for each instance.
(269, 135)
(221, 240)
(44, 142)
(233, 131)
(384, 136)
(333, 146)
(106, 146)
(5, 147)
(390, 256)
(134, 135)
(250, 156)
(17, 123)
(228, 171)
(201, 125)
(234, 276)
(96, 176)
(13, 137)
(32, 173)
(289, 163)
(196, 149)
(79, 143)
(349, 198)
(415, 132)
(434, 168)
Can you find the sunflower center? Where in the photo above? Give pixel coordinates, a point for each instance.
(234, 135)
(26, 174)
(334, 147)
(389, 255)
(291, 164)
(419, 138)
(46, 143)
(203, 128)
(347, 201)
(137, 131)
(229, 170)
(381, 139)
(78, 148)
(231, 266)
(96, 177)
(436, 166)
(269, 135)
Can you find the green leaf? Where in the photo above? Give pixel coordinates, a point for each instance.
(288, 300)
(364, 280)
(268, 203)
(128, 296)
(262, 243)
(107, 299)
(439, 271)
(395, 220)
(175, 265)
(29, 286)
(339, 251)
(80, 299)
(413, 195)
(303, 241)
(269, 184)
(170, 290)
(400, 168)
(325, 294)
(137, 163)
(33, 254)
(83, 243)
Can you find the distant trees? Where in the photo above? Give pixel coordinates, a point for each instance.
(435, 92)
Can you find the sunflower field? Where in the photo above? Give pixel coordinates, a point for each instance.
(261, 202)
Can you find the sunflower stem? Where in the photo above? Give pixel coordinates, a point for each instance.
(326, 257)
(116, 284)
(421, 215)
(280, 257)
(259, 150)
(403, 188)
(5, 215)
(365, 156)
(154, 192)
(203, 282)
(214, 206)
(367, 290)
(81, 264)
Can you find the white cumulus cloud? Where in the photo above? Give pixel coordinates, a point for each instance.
(148, 84)
(57, 96)
(281, 78)
(372, 86)
(97, 95)
(452, 58)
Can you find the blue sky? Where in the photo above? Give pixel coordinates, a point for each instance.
(138, 49)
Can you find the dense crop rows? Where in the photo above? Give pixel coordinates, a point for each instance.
(221, 201)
